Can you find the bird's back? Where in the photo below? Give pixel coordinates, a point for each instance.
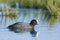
(20, 27)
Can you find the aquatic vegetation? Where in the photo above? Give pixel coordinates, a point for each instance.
(13, 14)
(52, 6)
(54, 12)
(10, 13)
(30, 3)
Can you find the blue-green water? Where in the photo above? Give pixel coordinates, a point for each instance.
(26, 15)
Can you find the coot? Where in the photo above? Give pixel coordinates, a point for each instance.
(24, 27)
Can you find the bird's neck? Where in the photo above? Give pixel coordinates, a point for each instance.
(32, 24)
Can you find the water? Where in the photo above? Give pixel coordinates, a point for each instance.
(26, 15)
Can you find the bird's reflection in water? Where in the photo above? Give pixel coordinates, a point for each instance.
(32, 34)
